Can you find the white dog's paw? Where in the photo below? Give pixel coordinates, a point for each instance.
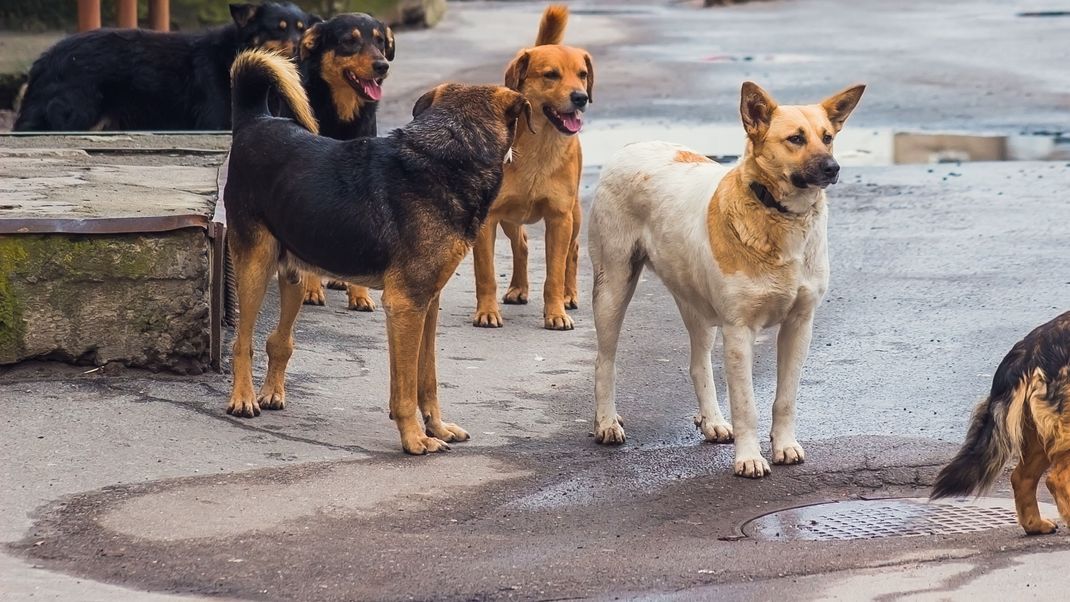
(610, 432)
(790, 453)
(714, 432)
(752, 467)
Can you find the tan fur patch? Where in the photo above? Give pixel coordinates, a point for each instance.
(685, 156)
(744, 236)
(287, 81)
(347, 102)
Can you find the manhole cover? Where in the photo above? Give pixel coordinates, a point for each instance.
(868, 519)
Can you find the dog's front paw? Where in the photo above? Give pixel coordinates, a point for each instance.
(360, 300)
(419, 446)
(448, 432)
(610, 432)
(1042, 527)
(243, 403)
(788, 453)
(487, 318)
(516, 296)
(751, 467)
(714, 432)
(572, 300)
(271, 397)
(315, 293)
(558, 321)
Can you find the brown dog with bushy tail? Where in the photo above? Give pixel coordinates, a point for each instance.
(543, 181)
(1026, 414)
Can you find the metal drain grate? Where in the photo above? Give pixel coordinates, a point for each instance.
(869, 519)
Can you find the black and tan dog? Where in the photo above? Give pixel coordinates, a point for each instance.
(1026, 414)
(133, 79)
(396, 213)
(343, 64)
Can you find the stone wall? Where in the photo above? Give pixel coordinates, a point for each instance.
(138, 299)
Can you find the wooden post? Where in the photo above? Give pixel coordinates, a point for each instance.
(160, 15)
(88, 15)
(128, 14)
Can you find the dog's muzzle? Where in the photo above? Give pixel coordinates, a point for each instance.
(821, 172)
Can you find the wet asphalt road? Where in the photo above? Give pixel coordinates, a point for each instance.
(125, 482)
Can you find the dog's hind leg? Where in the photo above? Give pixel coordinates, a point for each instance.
(488, 314)
(738, 363)
(280, 345)
(74, 111)
(559, 236)
(427, 394)
(793, 345)
(709, 419)
(518, 283)
(314, 292)
(253, 264)
(360, 298)
(572, 263)
(1059, 484)
(614, 284)
(1024, 480)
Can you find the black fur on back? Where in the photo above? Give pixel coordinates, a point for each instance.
(352, 208)
(133, 79)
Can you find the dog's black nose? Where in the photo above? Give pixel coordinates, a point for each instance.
(381, 67)
(579, 99)
(830, 168)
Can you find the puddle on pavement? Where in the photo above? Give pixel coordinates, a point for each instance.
(885, 146)
(871, 519)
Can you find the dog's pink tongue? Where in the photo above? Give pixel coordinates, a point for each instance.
(572, 121)
(372, 88)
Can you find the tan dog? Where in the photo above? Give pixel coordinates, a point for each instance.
(542, 182)
(742, 248)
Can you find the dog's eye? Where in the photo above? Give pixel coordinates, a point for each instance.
(797, 139)
(827, 139)
(552, 75)
(583, 75)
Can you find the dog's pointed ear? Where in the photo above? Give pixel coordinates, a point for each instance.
(590, 76)
(243, 13)
(839, 106)
(389, 43)
(517, 70)
(424, 102)
(310, 40)
(756, 108)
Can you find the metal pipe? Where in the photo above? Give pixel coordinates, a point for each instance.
(160, 15)
(127, 14)
(88, 15)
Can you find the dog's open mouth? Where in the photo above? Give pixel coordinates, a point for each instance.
(566, 123)
(372, 89)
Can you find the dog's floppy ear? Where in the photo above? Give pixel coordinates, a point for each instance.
(424, 102)
(756, 108)
(389, 43)
(517, 71)
(243, 13)
(839, 106)
(520, 107)
(590, 76)
(310, 40)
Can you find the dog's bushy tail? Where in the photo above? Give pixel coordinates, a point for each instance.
(254, 74)
(552, 26)
(994, 437)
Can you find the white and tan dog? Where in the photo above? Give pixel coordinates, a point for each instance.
(742, 248)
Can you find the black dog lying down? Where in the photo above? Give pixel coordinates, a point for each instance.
(396, 213)
(132, 79)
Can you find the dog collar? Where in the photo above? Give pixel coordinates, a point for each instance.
(766, 198)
